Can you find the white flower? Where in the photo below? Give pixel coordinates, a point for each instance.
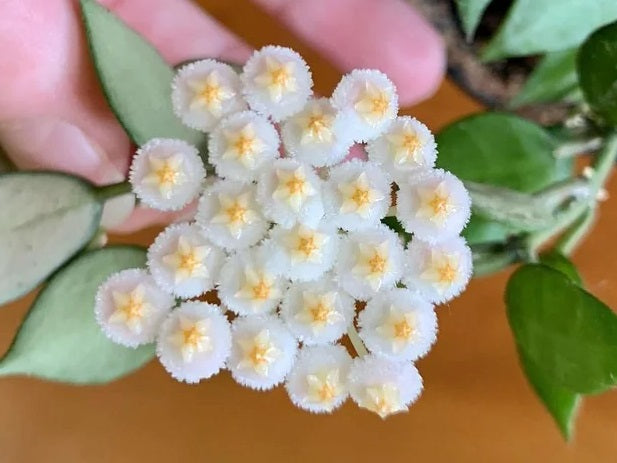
(290, 192)
(277, 82)
(368, 100)
(166, 174)
(183, 262)
(305, 253)
(407, 146)
(250, 284)
(316, 135)
(398, 324)
(318, 381)
(369, 261)
(242, 144)
(203, 92)
(357, 195)
(438, 271)
(433, 205)
(130, 307)
(194, 341)
(317, 312)
(384, 386)
(230, 216)
(263, 351)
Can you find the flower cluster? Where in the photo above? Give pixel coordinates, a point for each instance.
(291, 237)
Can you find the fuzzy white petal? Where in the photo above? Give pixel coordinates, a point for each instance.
(194, 341)
(263, 352)
(130, 307)
(167, 174)
(318, 381)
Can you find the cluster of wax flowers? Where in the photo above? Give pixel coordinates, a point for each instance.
(290, 234)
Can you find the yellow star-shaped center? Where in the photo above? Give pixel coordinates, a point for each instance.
(405, 145)
(435, 204)
(191, 337)
(400, 328)
(278, 78)
(324, 387)
(316, 127)
(305, 245)
(293, 187)
(165, 174)
(319, 310)
(244, 145)
(235, 213)
(187, 261)
(130, 308)
(258, 288)
(373, 104)
(209, 93)
(443, 270)
(383, 399)
(373, 263)
(258, 352)
(358, 196)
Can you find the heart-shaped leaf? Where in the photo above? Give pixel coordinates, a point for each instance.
(135, 78)
(565, 331)
(46, 218)
(471, 12)
(553, 79)
(60, 339)
(502, 150)
(541, 26)
(598, 72)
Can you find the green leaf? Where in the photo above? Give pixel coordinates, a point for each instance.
(598, 72)
(502, 150)
(46, 218)
(562, 329)
(553, 79)
(60, 339)
(471, 12)
(558, 261)
(541, 26)
(135, 78)
(560, 402)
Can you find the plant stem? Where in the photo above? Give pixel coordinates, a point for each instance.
(103, 193)
(356, 342)
(575, 234)
(578, 147)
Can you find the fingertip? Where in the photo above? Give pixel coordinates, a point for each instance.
(388, 35)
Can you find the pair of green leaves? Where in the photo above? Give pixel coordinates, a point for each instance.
(538, 26)
(47, 218)
(566, 338)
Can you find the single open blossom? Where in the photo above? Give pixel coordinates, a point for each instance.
(241, 145)
(384, 386)
(369, 261)
(130, 307)
(277, 82)
(229, 215)
(183, 261)
(368, 102)
(406, 147)
(398, 324)
(317, 135)
(357, 195)
(167, 174)
(250, 284)
(290, 192)
(194, 341)
(318, 312)
(263, 352)
(439, 271)
(433, 205)
(318, 381)
(205, 91)
(304, 253)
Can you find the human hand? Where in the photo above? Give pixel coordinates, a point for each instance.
(53, 114)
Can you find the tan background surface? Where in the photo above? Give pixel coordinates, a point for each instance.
(476, 407)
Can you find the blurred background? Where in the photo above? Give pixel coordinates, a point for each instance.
(476, 406)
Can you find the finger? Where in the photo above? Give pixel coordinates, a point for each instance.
(385, 34)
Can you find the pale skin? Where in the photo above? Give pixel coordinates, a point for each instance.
(53, 114)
